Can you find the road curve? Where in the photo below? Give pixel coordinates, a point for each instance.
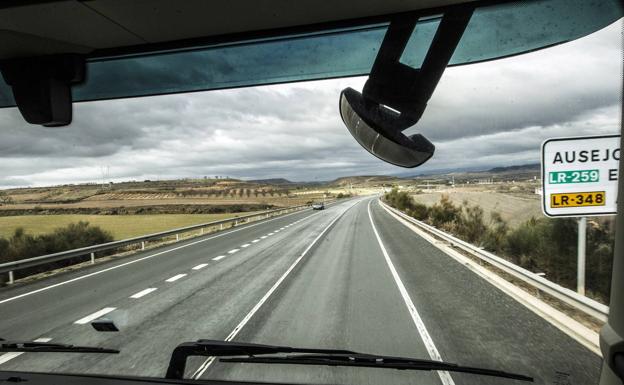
(350, 277)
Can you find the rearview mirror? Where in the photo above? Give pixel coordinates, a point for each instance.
(395, 95)
(378, 130)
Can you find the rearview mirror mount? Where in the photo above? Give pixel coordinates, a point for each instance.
(395, 95)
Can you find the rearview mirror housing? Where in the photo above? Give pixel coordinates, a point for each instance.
(378, 129)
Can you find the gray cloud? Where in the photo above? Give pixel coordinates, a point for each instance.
(488, 114)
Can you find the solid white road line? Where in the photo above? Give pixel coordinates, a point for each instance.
(218, 258)
(200, 266)
(445, 377)
(175, 277)
(255, 241)
(245, 245)
(11, 355)
(143, 293)
(147, 257)
(203, 367)
(233, 251)
(95, 315)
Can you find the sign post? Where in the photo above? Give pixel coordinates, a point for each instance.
(580, 268)
(579, 179)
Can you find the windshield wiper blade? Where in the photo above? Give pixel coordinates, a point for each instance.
(375, 361)
(45, 347)
(307, 356)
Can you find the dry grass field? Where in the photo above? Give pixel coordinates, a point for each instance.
(514, 208)
(136, 208)
(157, 193)
(121, 226)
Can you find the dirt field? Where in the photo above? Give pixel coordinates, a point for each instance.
(514, 208)
(121, 226)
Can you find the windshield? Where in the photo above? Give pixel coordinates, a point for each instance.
(252, 215)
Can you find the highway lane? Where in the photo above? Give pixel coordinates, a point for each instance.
(27, 313)
(474, 323)
(336, 289)
(344, 297)
(205, 303)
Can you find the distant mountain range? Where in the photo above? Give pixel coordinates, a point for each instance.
(273, 181)
(472, 170)
(522, 167)
(346, 180)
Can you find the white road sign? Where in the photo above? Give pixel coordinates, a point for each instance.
(579, 175)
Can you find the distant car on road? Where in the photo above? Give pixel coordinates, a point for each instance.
(318, 206)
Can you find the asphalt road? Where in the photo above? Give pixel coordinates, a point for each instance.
(349, 277)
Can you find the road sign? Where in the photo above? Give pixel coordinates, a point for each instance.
(579, 176)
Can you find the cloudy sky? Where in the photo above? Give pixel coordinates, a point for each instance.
(483, 115)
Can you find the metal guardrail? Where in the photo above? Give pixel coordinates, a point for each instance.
(570, 297)
(10, 267)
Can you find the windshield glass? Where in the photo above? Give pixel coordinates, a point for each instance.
(270, 224)
(494, 31)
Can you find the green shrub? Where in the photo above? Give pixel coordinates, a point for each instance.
(419, 211)
(75, 235)
(548, 246)
(470, 225)
(495, 237)
(444, 214)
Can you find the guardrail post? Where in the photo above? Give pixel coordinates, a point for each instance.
(221, 226)
(177, 237)
(92, 258)
(11, 278)
(201, 231)
(142, 245)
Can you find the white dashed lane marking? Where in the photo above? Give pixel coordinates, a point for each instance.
(218, 258)
(200, 266)
(233, 251)
(143, 293)
(255, 241)
(11, 355)
(176, 277)
(95, 315)
(245, 245)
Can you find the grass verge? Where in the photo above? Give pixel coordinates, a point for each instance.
(120, 226)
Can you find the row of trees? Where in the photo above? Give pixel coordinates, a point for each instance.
(242, 192)
(539, 244)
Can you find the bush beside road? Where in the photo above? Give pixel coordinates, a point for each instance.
(540, 244)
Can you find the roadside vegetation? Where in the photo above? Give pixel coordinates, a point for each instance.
(21, 245)
(541, 245)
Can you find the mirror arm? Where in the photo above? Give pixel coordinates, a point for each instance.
(408, 89)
